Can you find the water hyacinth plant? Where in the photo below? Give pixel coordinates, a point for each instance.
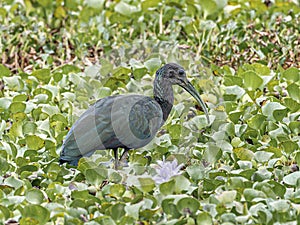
(58, 57)
(166, 170)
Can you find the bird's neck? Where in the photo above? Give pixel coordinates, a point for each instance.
(163, 94)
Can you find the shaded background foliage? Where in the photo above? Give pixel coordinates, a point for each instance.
(58, 57)
(216, 32)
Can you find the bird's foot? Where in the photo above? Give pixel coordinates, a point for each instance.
(120, 164)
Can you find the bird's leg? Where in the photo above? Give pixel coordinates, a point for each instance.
(124, 156)
(116, 158)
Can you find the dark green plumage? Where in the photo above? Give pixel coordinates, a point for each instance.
(126, 121)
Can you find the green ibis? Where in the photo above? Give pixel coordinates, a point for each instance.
(126, 121)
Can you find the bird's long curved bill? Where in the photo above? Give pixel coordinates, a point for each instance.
(190, 89)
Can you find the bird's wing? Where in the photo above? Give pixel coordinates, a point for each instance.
(135, 120)
(145, 118)
(83, 138)
(126, 121)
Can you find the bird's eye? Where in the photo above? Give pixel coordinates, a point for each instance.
(181, 72)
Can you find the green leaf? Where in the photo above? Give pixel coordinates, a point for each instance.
(29, 221)
(174, 131)
(196, 172)
(96, 176)
(212, 153)
(209, 7)
(29, 127)
(167, 188)
(133, 209)
(181, 183)
(50, 110)
(289, 146)
(295, 127)
(45, 3)
(5, 213)
(297, 157)
(252, 80)
(280, 206)
(277, 152)
(274, 111)
(278, 188)
(237, 183)
(106, 67)
(16, 129)
(103, 92)
(188, 205)
(35, 212)
(148, 213)
(83, 194)
(60, 12)
(117, 190)
(292, 74)
(42, 75)
(4, 104)
(16, 107)
(257, 121)
(139, 73)
(235, 116)
(293, 90)
(233, 80)
(14, 83)
(262, 156)
(27, 168)
(117, 211)
(125, 9)
(170, 208)
(152, 65)
(251, 194)
(147, 184)
(57, 76)
(104, 220)
(59, 117)
(115, 177)
(199, 121)
(97, 4)
(228, 218)
(92, 71)
(34, 142)
(149, 4)
(227, 197)
(13, 182)
(20, 98)
(121, 72)
(4, 72)
(204, 218)
(243, 154)
(34, 196)
(261, 175)
(19, 116)
(261, 69)
(292, 179)
(293, 105)
(233, 92)
(4, 166)
(207, 25)
(66, 69)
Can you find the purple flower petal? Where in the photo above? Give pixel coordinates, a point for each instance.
(166, 170)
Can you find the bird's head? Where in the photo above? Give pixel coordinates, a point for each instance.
(175, 74)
